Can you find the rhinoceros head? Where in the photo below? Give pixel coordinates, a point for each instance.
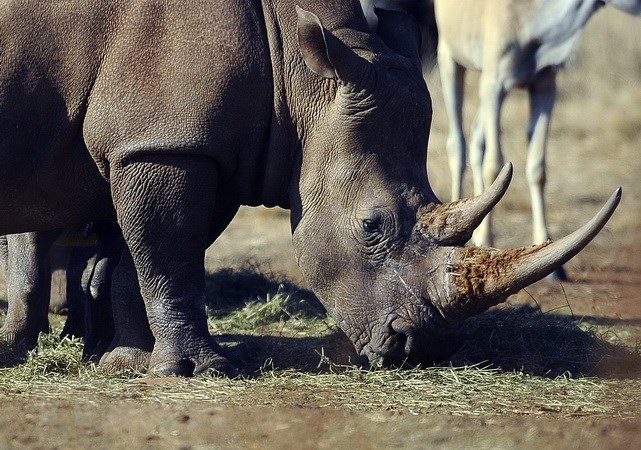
(384, 255)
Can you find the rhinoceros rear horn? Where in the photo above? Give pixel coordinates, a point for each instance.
(325, 54)
(453, 223)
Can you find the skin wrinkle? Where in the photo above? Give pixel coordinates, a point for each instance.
(424, 307)
(347, 181)
(408, 287)
(362, 106)
(391, 310)
(377, 250)
(354, 103)
(361, 334)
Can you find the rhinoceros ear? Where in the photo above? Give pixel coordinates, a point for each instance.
(400, 32)
(325, 54)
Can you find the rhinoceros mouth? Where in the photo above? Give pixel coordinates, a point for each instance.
(427, 343)
(405, 343)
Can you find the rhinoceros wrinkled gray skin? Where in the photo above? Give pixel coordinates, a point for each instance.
(169, 115)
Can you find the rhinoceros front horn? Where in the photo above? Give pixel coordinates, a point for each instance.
(478, 278)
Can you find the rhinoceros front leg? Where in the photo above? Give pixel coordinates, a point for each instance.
(28, 289)
(164, 205)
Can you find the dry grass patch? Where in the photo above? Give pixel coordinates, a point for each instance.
(468, 390)
(515, 360)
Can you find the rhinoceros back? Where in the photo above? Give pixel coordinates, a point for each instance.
(84, 84)
(182, 77)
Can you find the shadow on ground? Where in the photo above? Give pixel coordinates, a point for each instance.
(268, 322)
(546, 344)
(510, 339)
(228, 289)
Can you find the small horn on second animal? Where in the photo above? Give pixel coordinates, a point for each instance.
(400, 32)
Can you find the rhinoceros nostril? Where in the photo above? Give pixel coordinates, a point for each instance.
(393, 350)
(400, 327)
(396, 347)
(400, 344)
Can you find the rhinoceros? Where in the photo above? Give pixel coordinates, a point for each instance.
(168, 115)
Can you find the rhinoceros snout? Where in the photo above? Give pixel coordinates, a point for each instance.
(408, 345)
(395, 347)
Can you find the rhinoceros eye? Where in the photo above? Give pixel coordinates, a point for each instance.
(371, 226)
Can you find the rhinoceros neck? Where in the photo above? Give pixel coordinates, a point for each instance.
(300, 96)
(283, 145)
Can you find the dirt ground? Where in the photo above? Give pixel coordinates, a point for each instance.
(595, 146)
(67, 424)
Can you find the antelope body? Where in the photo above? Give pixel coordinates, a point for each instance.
(513, 43)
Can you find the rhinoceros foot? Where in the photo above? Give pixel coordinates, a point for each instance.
(123, 358)
(202, 358)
